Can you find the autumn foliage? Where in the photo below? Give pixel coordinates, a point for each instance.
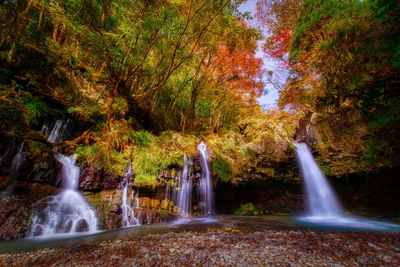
(277, 46)
(241, 72)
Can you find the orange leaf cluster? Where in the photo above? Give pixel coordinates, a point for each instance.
(240, 71)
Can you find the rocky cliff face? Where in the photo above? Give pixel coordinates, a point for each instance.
(107, 204)
(30, 160)
(267, 177)
(29, 173)
(17, 203)
(97, 179)
(337, 136)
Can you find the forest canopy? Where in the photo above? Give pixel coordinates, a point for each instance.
(188, 65)
(340, 53)
(139, 76)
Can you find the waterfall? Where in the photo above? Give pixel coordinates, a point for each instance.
(59, 131)
(45, 130)
(184, 201)
(128, 214)
(321, 200)
(17, 161)
(67, 212)
(205, 188)
(323, 207)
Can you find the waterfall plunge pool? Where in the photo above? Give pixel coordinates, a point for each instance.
(324, 210)
(228, 223)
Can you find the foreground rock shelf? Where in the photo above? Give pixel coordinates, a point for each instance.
(223, 247)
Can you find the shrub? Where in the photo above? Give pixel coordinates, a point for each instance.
(248, 209)
(222, 169)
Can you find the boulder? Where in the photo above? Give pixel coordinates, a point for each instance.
(82, 226)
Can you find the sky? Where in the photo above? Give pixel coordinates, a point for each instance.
(271, 95)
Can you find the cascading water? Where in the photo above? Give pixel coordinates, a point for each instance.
(323, 208)
(205, 188)
(321, 200)
(184, 201)
(17, 161)
(45, 130)
(128, 214)
(58, 132)
(67, 212)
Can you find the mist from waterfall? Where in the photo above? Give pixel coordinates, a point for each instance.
(205, 187)
(323, 207)
(68, 212)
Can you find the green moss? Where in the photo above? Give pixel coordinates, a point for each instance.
(250, 152)
(148, 162)
(100, 155)
(101, 208)
(164, 214)
(270, 172)
(248, 209)
(326, 170)
(222, 169)
(142, 138)
(324, 138)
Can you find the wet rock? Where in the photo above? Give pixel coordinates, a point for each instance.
(37, 231)
(307, 132)
(97, 179)
(16, 211)
(116, 209)
(82, 226)
(31, 166)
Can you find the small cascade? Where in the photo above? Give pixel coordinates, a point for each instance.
(205, 187)
(129, 217)
(59, 131)
(17, 161)
(168, 193)
(184, 198)
(67, 212)
(45, 130)
(323, 207)
(321, 200)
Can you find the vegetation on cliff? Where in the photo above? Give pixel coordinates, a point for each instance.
(147, 80)
(343, 63)
(132, 73)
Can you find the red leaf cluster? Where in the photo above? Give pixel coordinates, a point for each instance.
(240, 71)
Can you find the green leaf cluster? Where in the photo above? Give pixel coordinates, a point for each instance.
(249, 209)
(222, 169)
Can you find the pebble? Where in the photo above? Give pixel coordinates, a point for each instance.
(220, 248)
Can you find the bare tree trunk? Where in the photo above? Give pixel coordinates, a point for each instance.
(21, 27)
(55, 32)
(40, 17)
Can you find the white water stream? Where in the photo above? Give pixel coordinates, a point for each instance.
(205, 188)
(58, 132)
(129, 218)
(323, 207)
(17, 161)
(68, 212)
(184, 201)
